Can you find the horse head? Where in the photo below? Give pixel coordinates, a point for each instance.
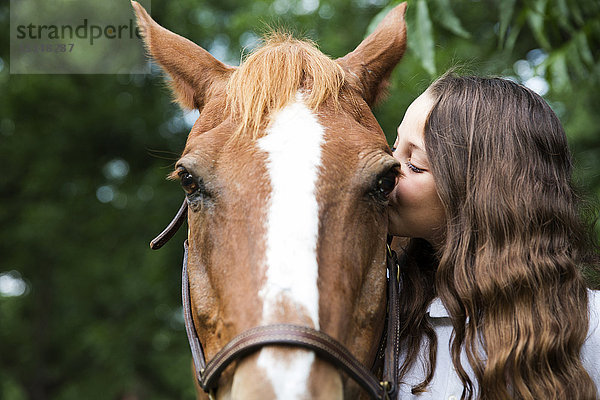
(286, 173)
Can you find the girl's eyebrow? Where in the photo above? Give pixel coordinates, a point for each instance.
(413, 146)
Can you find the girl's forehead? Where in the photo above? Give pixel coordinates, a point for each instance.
(412, 127)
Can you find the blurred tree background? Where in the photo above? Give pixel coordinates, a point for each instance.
(86, 309)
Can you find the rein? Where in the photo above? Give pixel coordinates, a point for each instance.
(323, 345)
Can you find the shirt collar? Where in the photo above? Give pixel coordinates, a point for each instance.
(437, 310)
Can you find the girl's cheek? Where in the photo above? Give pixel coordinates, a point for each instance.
(410, 191)
(403, 192)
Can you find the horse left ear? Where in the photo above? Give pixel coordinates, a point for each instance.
(192, 69)
(374, 59)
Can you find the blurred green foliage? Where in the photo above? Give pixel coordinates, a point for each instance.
(86, 309)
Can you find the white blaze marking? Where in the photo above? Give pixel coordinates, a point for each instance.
(293, 145)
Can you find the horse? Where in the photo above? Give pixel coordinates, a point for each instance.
(286, 175)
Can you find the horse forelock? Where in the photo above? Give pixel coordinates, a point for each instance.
(270, 78)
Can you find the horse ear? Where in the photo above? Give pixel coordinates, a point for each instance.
(374, 59)
(192, 69)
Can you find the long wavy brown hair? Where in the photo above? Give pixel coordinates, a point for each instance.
(509, 272)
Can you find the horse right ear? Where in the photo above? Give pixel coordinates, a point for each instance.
(192, 69)
(372, 62)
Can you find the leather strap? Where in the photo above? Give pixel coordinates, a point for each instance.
(290, 335)
(190, 328)
(392, 347)
(171, 229)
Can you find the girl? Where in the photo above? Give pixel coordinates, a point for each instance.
(493, 301)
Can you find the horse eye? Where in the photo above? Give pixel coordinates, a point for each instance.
(387, 182)
(188, 182)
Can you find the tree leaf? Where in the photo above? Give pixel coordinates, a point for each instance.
(560, 13)
(536, 17)
(421, 39)
(506, 9)
(514, 31)
(445, 15)
(574, 59)
(574, 8)
(584, 49)
(559, 71)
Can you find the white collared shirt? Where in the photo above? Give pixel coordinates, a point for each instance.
(446, 384)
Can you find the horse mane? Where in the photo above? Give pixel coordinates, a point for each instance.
(271, 76)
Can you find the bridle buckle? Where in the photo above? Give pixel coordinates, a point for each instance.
(387, 389)
(212, 395)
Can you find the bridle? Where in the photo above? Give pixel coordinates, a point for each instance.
(323, 345)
